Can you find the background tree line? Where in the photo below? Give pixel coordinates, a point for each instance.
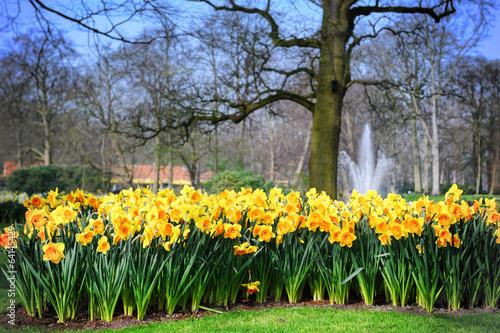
(432, 102)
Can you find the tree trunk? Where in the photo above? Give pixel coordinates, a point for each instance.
(493, 178)
(170, 173)
(435, 150)
(48, 144)
(103, 160)
(426, 165)
(127, 175)
(479, 175)
(479, 160)
(416, 159)
(271, 147)
(216, 153)
(302, 158)
(156, 170)
(19, 148)
(333, 62)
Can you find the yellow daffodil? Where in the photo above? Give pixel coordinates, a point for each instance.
(103, 245)
(251, 287)
(53, 252)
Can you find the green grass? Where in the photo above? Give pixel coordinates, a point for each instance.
(468, 197)
(326, 320)
(304, 319)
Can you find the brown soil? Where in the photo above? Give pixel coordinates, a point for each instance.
(81, 322)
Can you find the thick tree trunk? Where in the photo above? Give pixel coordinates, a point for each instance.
(333, 62)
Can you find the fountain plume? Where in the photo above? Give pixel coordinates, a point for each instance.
(366, 175)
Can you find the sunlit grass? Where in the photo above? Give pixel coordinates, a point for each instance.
(468, 197)
(326, 320)
(305, 319)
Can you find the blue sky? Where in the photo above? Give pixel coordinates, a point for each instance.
(489, 46)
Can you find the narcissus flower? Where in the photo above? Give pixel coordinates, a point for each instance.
(53, 252)
(346, 238)
(266, 234)
(454, 193)
(232, 230)
(37, 201)
(385, 238)
(414, 225)
(497, 233)
(456, 241)
(85, 237)
(103, 245)
(244, 249)
(251, 287)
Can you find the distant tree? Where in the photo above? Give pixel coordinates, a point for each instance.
(478, 88)
(420, 70)
(102, 97)
(46, 85)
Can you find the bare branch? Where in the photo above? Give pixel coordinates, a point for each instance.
(39, 5)
(274, 34)
(449, 9)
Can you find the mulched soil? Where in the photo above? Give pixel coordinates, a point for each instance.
(81, 322)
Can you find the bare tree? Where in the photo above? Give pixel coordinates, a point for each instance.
(102, 99)
(478, 87)
(421, 69)
(14, 110)
(48, 80)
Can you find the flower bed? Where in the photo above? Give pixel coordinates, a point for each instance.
(165, 251)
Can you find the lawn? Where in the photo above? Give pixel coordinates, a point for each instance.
(308, 319)
(468, 197)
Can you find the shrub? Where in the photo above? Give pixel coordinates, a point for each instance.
(465, 188)
(235, 180)
(45, 178)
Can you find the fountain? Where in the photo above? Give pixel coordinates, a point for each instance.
(365, 175)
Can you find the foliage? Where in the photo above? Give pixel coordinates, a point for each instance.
(235, 180)
(45, 178)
